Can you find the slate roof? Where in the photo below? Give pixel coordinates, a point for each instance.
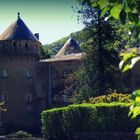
(18, 31)
(70, 43)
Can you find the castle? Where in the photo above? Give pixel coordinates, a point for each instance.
(29, 84)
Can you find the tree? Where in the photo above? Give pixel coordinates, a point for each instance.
(44, 53)
(99, 72)
(125, 10)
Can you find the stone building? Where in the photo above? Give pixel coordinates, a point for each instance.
(28, 85)
(57, 69)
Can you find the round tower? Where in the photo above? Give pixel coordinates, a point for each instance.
(19, 52)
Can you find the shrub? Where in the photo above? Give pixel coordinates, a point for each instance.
(114, 97)
(66, 121)
(19, 134)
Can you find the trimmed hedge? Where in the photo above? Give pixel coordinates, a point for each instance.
(67, 121)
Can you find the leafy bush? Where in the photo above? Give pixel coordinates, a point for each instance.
(66, 121)
(19, 134)
(114, 97)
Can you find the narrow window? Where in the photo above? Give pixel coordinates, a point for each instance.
(65, 73)
(26, 45)
(28, 98)
(14, 44)
(29, 73)
(4, 73)
(56, 75)
(15, 47)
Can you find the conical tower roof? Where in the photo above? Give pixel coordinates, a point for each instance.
(18, 31)
(70, 47)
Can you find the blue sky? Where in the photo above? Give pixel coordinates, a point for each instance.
(52, 19)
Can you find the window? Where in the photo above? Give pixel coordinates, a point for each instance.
(4, 96)
(29, 73)
(56, 75)
(66, 73)
(15, 46)
(66, 98)
(29, 98)
(26, 46)
(56, 98)
(4, 73)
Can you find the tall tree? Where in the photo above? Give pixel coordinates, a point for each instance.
(99, 72)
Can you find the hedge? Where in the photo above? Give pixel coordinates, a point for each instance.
(102, 117)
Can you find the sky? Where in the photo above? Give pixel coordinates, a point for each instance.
(52, 19)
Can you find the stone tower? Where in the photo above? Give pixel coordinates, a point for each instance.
(19, 52)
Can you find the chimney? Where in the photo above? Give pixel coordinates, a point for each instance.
(37, 35)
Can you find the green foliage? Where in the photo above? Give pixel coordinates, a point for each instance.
(45, 53)
(56, 46)
(129, 59)
(67, 121)
(101, 55)
(127, 11)
(19, 134)
(114, 97)
(80, 37)
(120, 10)
(135, 108)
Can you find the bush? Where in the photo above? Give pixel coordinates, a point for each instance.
(66, 121)
(19, 134)
(114, 97)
